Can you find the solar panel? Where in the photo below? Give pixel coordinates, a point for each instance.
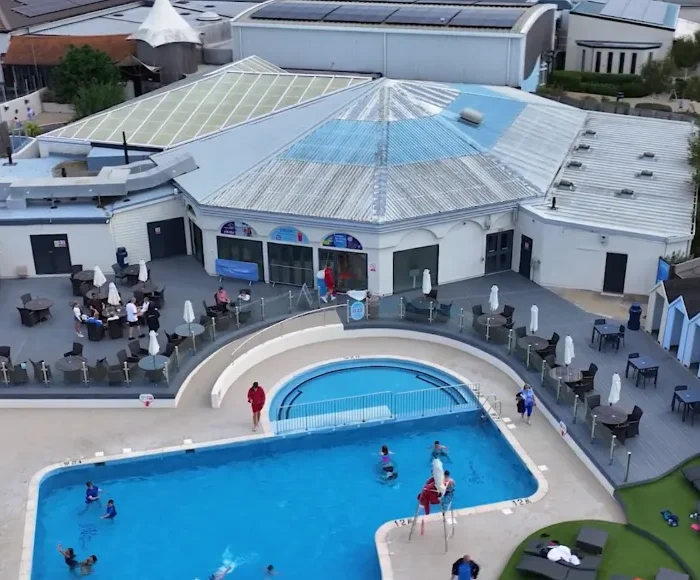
(473, 2)
(423, 16)
(360, 14)
(487, 18)
(45, 7)
(315, 11)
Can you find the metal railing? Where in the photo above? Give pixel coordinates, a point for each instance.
(381, 406)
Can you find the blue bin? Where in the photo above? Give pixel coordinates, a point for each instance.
(635, 317)
(122, 255)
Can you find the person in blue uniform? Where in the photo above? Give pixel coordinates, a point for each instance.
(465, 569)
(111, 511)
(92, 492)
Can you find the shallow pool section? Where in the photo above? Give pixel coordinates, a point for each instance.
(357, 390)
(309, 504)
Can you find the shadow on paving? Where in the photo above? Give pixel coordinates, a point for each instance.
(664, 440)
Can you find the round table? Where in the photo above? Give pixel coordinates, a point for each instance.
(567, 375)
(492, 320)
(153, 363)
(110, 312)
(147, 287)
(534, 342)
(193, 329)
(37, 304)
(97, 293)
(84, 275)
(610, 414)
(70, 363)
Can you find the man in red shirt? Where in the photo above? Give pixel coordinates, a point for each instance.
(256, 399)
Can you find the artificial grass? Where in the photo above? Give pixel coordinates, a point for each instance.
(626, 552)
(644, 503)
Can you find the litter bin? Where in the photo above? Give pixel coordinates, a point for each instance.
(122, 255)
(373, 307)
(635, 317)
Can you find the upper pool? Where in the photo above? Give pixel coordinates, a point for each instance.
(309, 504)
(356, 390)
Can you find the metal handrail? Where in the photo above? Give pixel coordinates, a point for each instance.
(273, 327)
(496, 405)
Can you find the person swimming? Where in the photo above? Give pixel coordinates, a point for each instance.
(110, 512)
(438, 451)
(92, 493)
(69, 557)
(221, 572)
(87, 564)
(270, 571)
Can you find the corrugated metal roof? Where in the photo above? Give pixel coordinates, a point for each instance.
(662, 204)
(651, 12)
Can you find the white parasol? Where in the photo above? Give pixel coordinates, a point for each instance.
(98, 278)
(427, 286)
(568, 350)
(114, 299)
(153, 346)
(188, 314)
(143, 271)
(615, 388)
(534, 319)
(493, 298)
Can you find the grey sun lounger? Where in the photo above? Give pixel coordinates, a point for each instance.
(538, 566)
(588, 562)
(666, 574)
(692, 474)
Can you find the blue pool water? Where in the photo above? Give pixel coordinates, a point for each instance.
(363, 378)
(309, 504)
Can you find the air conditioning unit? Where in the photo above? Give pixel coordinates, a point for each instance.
(565, 184)
(626, 192)
(574, 164)
(589, 132)
(645, 173)
(583, 147)
(471, 116)
(648, 155)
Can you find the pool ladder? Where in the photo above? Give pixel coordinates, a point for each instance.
(495, 403)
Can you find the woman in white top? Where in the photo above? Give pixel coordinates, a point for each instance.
(78, 315)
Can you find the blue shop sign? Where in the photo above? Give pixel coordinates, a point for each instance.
(663, 271)
(288, 235)
(342, 242)
(237, 229)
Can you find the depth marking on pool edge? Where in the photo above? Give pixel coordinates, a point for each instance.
(511, 426)
(542, 467)
(507, 511)
(506, 419)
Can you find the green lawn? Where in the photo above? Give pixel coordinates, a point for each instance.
(645, 502)
(625, 552)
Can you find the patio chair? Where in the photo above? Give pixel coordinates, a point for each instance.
(554, 340)
(620, 431)
(115, 375)
(77, 350)
(75, 285)
(633, 420)
(591, 371)
(612, 339)
(211, 311)
(159, 298)
(647, 374)
(184, 347)
(72, 377)
(75, 268)
(25, 298)
(85, 287)
(136, 350)
(599, 322)
(621, 336)
(592, 401)
(507, 312)
(477, 311)
(520, 332)
(119, 275)
(5, 351)
(28, 317)
(681, 403)
(19, 375)
(432, 295)
(98, 373)
(123, 357)
(693, 409)
(38, 375)
(171, 366)
(115, 328)
(174, 338)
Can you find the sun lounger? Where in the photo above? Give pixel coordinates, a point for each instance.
(692, 474)
(542, 567)
(588, 562)
(666, 574)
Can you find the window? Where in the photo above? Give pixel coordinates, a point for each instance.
(610, 62)
(583, 60)
(597, 62)
(633, 64)
(621, 65)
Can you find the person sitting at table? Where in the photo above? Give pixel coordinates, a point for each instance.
(222, 299)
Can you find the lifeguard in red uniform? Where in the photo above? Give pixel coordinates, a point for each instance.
(429, 495)
(256, 399)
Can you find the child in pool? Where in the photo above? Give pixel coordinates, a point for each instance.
(438, 451)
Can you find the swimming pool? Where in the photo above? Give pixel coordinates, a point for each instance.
(309, 504)
(356, 390)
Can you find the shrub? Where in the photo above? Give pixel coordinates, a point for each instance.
(32, 129)
(654, 106)
(599, 83)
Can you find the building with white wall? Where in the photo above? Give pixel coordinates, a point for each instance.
(278, 174)
(619, 36)
(432, 42)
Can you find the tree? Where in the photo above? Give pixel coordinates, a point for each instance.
(80, 67)
(656, 75)
(94, 98)
(685, 52)
(694, 156)
(691, 90)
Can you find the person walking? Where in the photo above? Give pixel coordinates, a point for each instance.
(528, 396)
(465, 569)
(152, 315)
(78, 316)
(132, 317)
(256, 399)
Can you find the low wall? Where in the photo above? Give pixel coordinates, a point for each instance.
(58, 108)
(20, 105)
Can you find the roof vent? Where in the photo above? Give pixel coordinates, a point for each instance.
(589, 132)
(208, 17)
(565, 184)
(471, 116)
(574, 163)
(645, 173)
(583, 147)
(648, 155)
(626, 192)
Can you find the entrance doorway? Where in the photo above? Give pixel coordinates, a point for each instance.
(51, 254)
(167, 238)
(197, 242)
(499, 252)
(409, 266)
(525, 256)
(293, 265)
(349, 268)
(615, 272)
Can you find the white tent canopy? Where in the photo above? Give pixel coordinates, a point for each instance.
(164, 25)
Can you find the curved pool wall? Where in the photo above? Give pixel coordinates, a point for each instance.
(519, 481)
(348, 382)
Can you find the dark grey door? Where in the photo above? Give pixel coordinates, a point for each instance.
(525, 256)
(615, 272)
(499, 252)
(197, 242)
(51, 254)
(167, 238)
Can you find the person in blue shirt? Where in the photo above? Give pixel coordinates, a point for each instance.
(111, 511)
(528, 396)
(465, 569)
(92, 493)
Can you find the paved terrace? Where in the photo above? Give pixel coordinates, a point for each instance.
(664, 441)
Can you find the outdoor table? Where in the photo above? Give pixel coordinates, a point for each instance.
(147, 287)
(132, 270)
(38, 304)
(193, 329)
(690, 396)
(492, 320)
(534, 342)
(111, 311)
(610, 414)
(84, 275)
(603, 330)
(566, 374)
(100, 294)
(642, 363)
(70, 363)
(153, 363)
